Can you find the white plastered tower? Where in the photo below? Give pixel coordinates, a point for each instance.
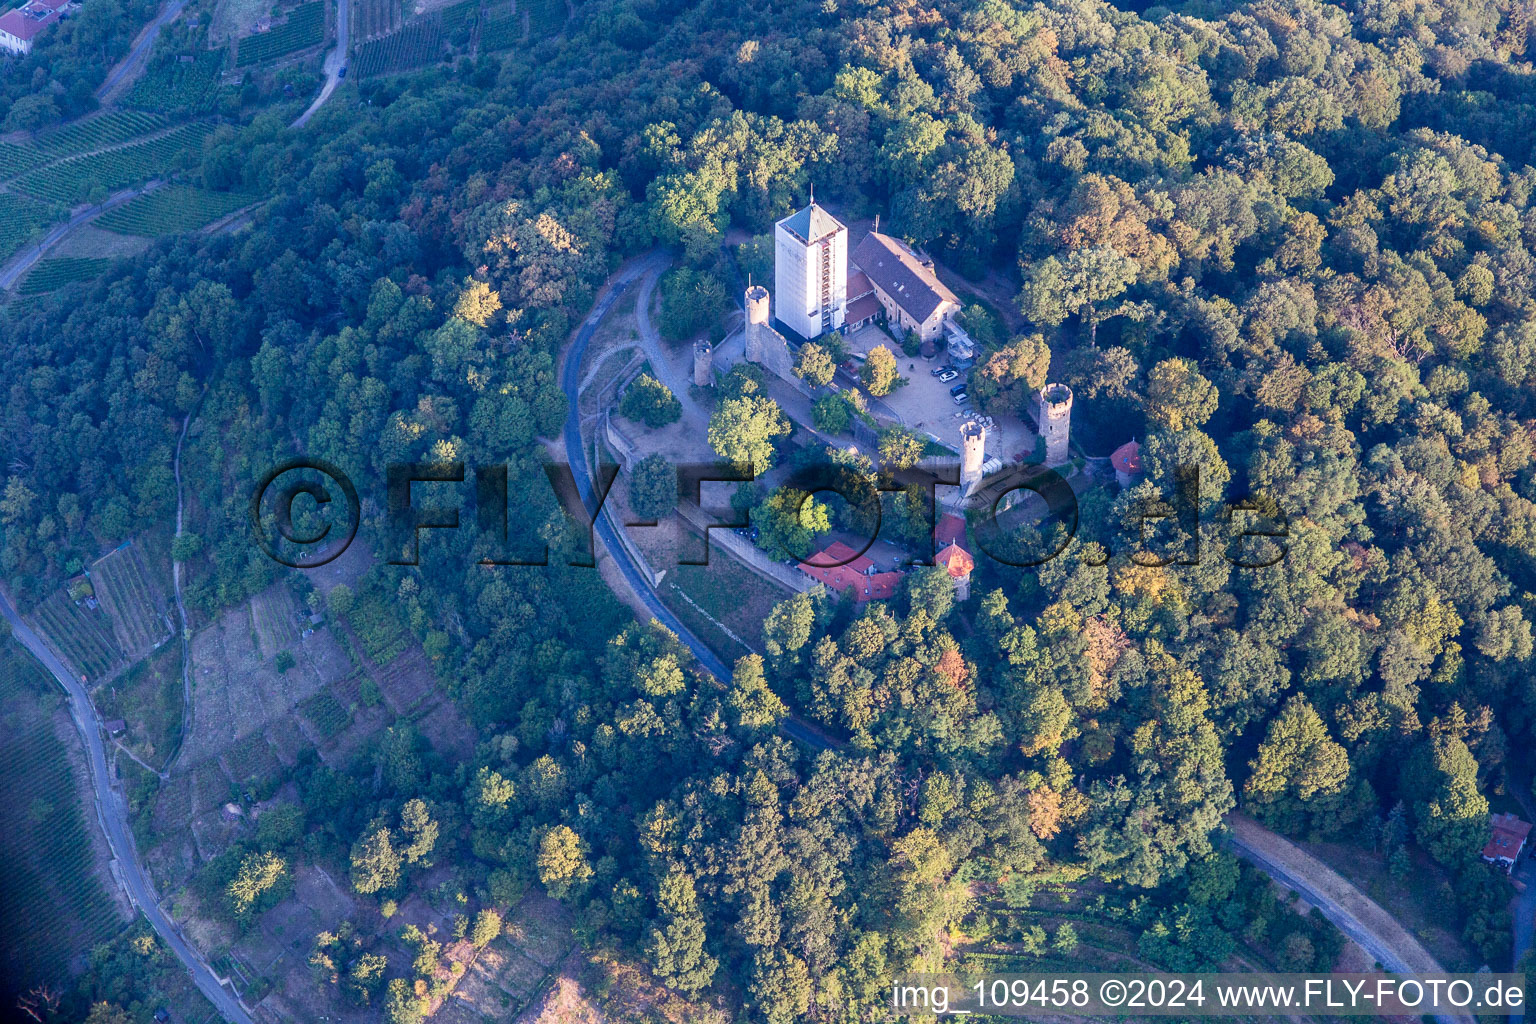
(810, 271)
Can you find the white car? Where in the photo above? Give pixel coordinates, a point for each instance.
(961, 398)
(947, 376)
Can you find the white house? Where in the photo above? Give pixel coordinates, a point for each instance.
(20, 26)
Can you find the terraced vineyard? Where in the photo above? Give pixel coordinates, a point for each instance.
(172, 210)
(304, 28)
(374, 18)
(79, 137)
(51, 275)
(18, 158)
(378, 626)
(81, 635)
(326, 714)
(545, 17)
(93, 133)
(501, 31)
(53, 906)
(20, 217)
(131, 600)
(459, 18)
(172, 83)
(416, 44)
(70, 181)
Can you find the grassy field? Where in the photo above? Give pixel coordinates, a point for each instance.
(724, 602)
(72, 180)
(304, 28)
(20, 217)
(172, 210)
(53, 905)
(148, 698)
(50, 275)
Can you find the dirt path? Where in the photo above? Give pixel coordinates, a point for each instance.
(1354, 913)
(181, 609)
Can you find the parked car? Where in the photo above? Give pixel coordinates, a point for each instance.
(942, 368)
(343, 72)
(961, 398)
(957, 389)
(947, 376)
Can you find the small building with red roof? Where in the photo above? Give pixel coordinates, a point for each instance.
(958, 563)
(1126, 461)
(953, 555)
(1506, 840)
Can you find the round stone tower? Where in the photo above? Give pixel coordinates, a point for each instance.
(1056, 423)
(973, 436)
(703, 364)
(757, 320)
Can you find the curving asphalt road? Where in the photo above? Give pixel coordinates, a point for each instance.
(335, 64)
(1351, 911)
(112, 813)
(570, 382)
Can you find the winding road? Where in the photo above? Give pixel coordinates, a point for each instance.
(21, 264)
(1351, 911)
(112, 813)
(335, 64)
(602, 526)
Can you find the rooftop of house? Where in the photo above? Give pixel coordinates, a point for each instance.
(1126, 458)
(903, 275)
(842, 568)
(811, 224)
(1508, 835)
(956, 560)
(26, 22)
(950, 529)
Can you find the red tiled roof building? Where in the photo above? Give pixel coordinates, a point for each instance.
(18, 27)
(1506, 840)
(841, 568)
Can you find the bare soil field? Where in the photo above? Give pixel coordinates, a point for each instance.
(237, 692)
